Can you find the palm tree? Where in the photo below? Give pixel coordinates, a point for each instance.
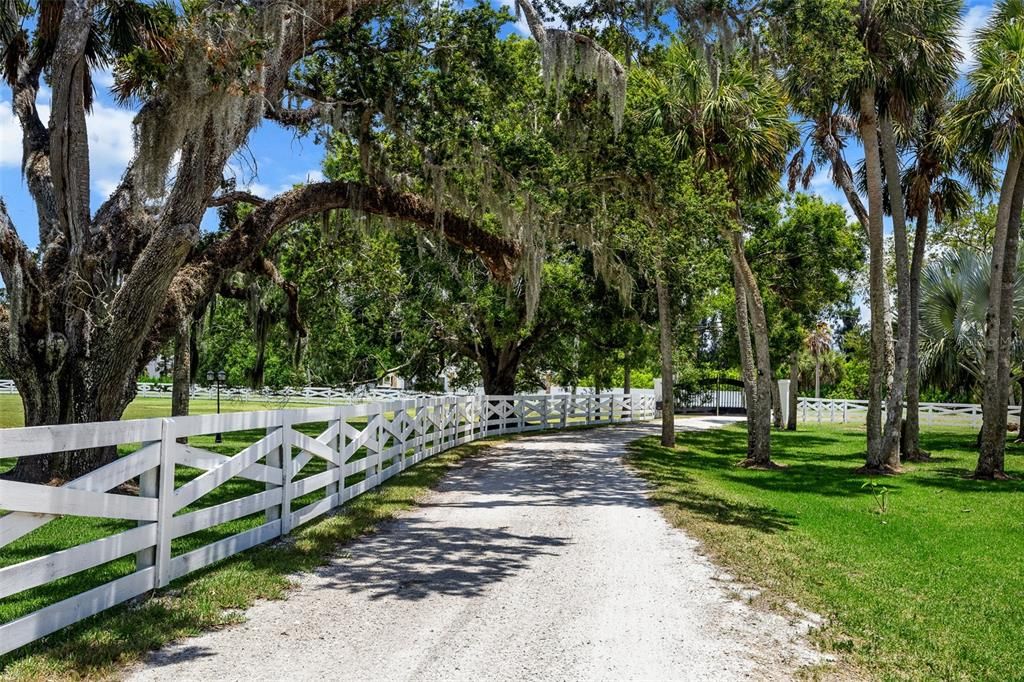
(990, 117)
(818, 343)
(910, 59)
(932, 189)
(954, 300)
(730, 116)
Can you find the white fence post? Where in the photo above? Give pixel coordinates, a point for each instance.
(287, 487)
(784, 399)
(165, 503)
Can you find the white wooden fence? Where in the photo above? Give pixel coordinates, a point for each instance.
(360, 447)
(328, 395)
(846, 411)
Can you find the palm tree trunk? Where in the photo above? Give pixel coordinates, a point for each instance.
(668, 424)
(898, 389)
(868, 128)
(817, 375)
(794, 386)
(999, 324)
(747, 368)
(911, 446)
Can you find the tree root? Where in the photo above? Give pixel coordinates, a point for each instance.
(919, 456)
(994, 476)
(761, 466)
(883, 470)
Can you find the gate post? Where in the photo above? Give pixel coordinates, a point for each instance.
(784, 399)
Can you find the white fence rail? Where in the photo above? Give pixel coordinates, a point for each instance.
(327, 395)
(360, 447)
(845, 411)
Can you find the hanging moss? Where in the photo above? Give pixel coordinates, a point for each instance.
(565, 54)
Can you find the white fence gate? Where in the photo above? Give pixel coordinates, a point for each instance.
(360, 447)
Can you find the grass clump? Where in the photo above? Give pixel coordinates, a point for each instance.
(921, 580)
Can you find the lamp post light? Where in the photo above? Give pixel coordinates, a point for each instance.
(220, 377)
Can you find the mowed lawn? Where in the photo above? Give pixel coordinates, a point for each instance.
(141, 408)
(931, 589)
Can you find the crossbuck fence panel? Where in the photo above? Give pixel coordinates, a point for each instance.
(827, 410)
(158, 517)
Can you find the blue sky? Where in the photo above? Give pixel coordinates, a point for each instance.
(274, 159)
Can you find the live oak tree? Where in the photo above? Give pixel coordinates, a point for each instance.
(108, 286)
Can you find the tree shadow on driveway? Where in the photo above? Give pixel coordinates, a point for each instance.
(412, 559)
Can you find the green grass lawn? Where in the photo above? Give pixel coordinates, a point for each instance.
(141, 408)
(931, 589)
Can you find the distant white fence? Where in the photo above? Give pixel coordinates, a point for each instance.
(386, 437)
(844, 411)
(306, 394)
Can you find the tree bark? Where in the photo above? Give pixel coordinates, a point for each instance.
(817, 375)
(499, 367)
(794, 387)
(911, 445)
(756, 358)
(627, 377)
(999, 325)
(668, 416)
(868, 126)
(898, 388)
(181, 374)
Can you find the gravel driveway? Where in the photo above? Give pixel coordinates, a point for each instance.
(541, 559)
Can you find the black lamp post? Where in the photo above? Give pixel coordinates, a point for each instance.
(220, 376)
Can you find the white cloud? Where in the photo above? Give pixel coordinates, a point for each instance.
(252, 183)
(10, 137)
(103, 78)
(110, 140)
(970, 23)
(110, 146)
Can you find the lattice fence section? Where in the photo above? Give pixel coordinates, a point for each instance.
(167, 507)
(827, 410)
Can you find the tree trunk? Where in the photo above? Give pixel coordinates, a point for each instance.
(668, 412)
(65, 397)
(182, 370)
(911, 445)
(499, 368)
(794, 386)
(817, 376)
(999, 325)
(757, 363)
(898, 389)
(868, 128)
(627, 377)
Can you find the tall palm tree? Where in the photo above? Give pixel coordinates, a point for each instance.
(730, 116)
(991, 118)
(932, 190)
(910, 59)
